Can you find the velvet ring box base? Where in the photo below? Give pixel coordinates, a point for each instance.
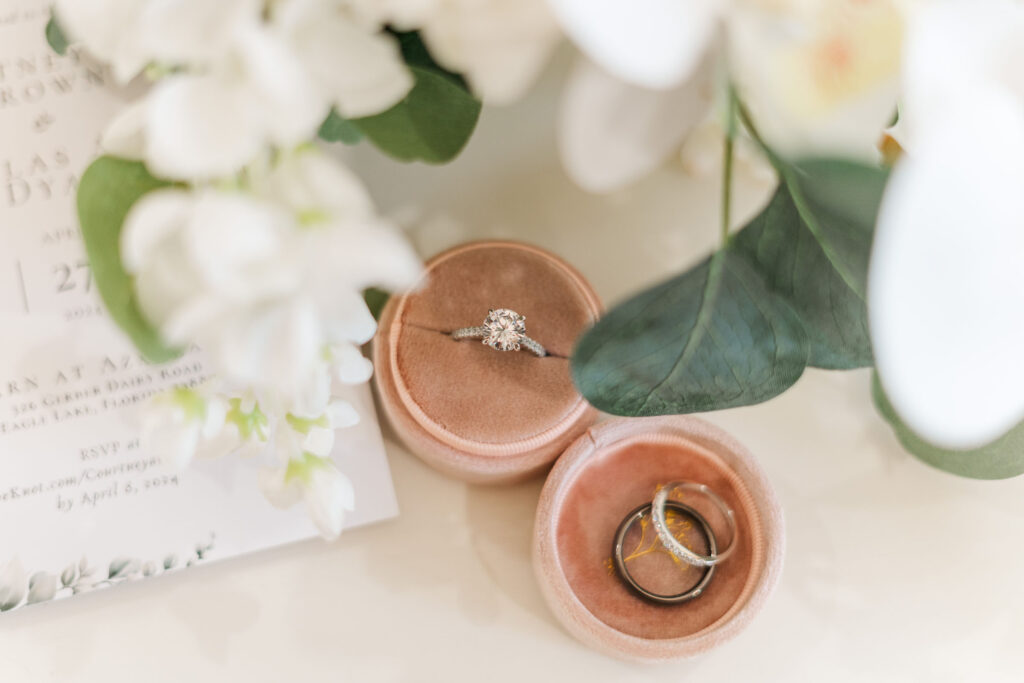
(473, 412)
(617, 466)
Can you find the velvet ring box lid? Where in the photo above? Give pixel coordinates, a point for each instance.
(617, 466)
(471, 411)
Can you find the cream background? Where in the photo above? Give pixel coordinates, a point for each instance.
(894, 571)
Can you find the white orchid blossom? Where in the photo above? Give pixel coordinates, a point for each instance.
(945, 288)
(823, 74)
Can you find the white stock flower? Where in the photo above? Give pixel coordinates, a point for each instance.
(326, 492)
(945, 286)
(500, 46)
(176, 424)
(108, 29)
(358, 68)
(307, 473)
(269, 281)
(234, 78)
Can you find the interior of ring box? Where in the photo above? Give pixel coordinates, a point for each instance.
(470, 389)
(610, 485)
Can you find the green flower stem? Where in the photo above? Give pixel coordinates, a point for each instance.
(727, 159)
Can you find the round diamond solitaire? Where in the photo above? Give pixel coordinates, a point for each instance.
(503, 330)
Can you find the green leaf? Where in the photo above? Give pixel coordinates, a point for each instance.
(1001, 459)
(108, 189)
(375, 300)
(55, 36)
(415, 53)
(714, 337)
(338, 129)
(812, 244)
(432, 124)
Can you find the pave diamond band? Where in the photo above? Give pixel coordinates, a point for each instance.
(676, 490)
(503, 330)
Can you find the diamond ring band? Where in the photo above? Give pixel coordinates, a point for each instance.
(503, 330)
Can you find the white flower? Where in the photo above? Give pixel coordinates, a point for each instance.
(500, 46)
(13, 584)
(175, 424)
(268, 281)
(819, 77)
(108, 28)
(945, 289)
(357, 68)
(327, 493)
(306, 472)
(652, 68)
(232, 81)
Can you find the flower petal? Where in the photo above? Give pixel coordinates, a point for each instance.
(946, 288)
(201, 127)
(280, 494)
(650, 43)
(499, 46)
(109, 30)
(342, 414)
(125, 135)
(351, 366)
(612, 133)
(328, 495)
(359, 70)
(192, 32)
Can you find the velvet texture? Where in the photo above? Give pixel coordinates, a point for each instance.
(473, 412)
(617, 466)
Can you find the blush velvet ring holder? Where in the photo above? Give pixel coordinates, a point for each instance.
(622, 562)
(674, 546)
(503, 330)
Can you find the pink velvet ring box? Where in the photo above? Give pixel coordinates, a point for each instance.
(471, 411)
(618, 465)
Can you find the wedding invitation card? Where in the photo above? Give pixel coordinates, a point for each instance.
(82, 506)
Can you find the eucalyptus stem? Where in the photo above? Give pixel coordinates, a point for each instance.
(727, 163)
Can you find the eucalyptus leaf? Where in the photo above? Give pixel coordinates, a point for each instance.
(1001, 459)
(335, 128)
(68, 576)
(812, 244)
(714, 337)
(432, 124)
(375, 300)
(416, 53)
(55, 36)
(107, 191)
(41, 588)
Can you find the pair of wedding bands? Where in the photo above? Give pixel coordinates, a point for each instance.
(656, 510)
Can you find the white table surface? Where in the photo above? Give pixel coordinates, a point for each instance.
(893, 571)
